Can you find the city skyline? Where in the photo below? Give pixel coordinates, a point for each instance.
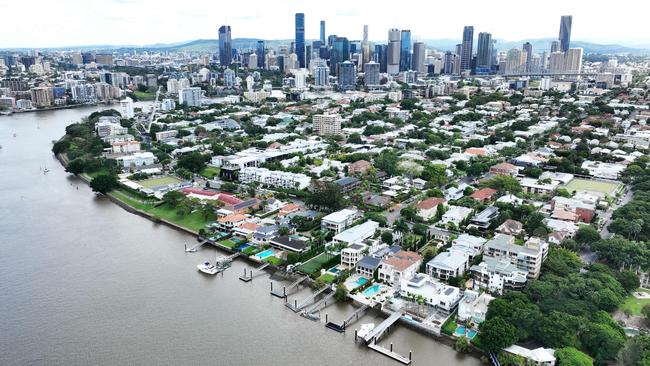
(276, 21)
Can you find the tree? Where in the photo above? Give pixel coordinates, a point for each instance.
(104, 183)
(504, 183)
(387, 237)
(586, 234)
(561, 262)
(326, 195)
(646, 312)
(283, 230)
(194, 162)
(387, 161)
(184, 208)
(569, 356)
(173, 198)
(602, 341)
(533, 222)
(496, 334)
(629, 280)
(462, 344)
(76, 166)
(341, 293)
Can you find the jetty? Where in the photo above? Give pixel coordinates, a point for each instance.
(351, 318)
(287, 290)
(390, 353)
(379, 330)
(296, 307)
(311, 311)
(253, 272)
(195, 247)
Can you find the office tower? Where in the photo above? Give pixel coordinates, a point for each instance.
(322, 31)
(300, 38)
(528, 48)
(321, 76)
(555, 46)
(330, 39)
(556, 62)
(86, 58)
(484, 53)
(347, 76)
(371, 73)
(225, 45)
(405, 51)
(191, 97)
(340, 52)
(513, 61)
(307, 55)
(252, 61)
(467, 48)
(381, 56)
(393, 51)
(565, 32)
(573, 63)
(260, 51)
(126, 108)
(449, 61)
(419, 51)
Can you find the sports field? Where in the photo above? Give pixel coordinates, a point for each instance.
(578, 184)
(159, 181)
(315, 264)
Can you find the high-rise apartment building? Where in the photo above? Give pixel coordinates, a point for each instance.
(371, 74)
(300, 38)
(528, 48)
(484, 53)
(467, 48)
(419, 54)
(191, 97)
(225, 45)
(347, 76)
(321, 75)
(327, 124)
(405, 50)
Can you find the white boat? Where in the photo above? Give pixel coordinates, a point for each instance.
(365, 329)
(208, 268)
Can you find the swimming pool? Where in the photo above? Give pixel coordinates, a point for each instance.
(361, 281)
(471, 334)
(265, 254)
(371, 291)
(241, 247)
(460, 331)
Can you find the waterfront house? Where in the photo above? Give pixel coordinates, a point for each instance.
(264, 234)
(403, 264)
(435, 294)
(368, 265)
(288, 243)
(357, 234)
(534, 357)
(496, 275)
(452, 263)
(473, 307)
(351, 255)
(228, 223)
(245, 229)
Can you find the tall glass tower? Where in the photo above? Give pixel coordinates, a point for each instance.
(484, 53)
(467, 48)
(322, 31)
(565, 32)
(300, 38)
(225, 45)
(405, 51)
(261, 54)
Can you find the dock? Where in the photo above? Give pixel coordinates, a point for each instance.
(287, 290)
(389, 352)
(354, 316)
(196, 247)
(296, 307)
(253, 272)
(311, 311)
(379, 330)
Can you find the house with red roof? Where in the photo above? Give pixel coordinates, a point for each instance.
(484, 194)
(504, 169)
(401, 265)
(428, 208)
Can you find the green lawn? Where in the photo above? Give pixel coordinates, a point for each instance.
(274, 260)
(635, 305)
(160, 181)
(327, 278)
(210, 172)
(250, 250)
(132, 200)
(144, 95)
(228, 243)
(449, 327)
(578, 184)
(194, 221)
(315, 264)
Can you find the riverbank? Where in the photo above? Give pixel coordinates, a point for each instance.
(49, 109)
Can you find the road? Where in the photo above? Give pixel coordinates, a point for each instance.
(607, 216)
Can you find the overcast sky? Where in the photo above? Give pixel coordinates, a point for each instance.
(53, 23)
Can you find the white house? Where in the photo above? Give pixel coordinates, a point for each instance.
(351, 255)
(448, 264)
(536, 357)
(434, 293)
(473, 306)
(339, 220)
(455, 214)
(401, 265)
(357, 233)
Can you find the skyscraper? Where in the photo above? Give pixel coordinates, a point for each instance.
(260, 51)
(528, 48)
(467, 48)
(484, 53)
(381, 56)
(300, 38)
(225, 45)
(347, 76)
(322, 31)
(565, 32)
(371, 73)
(365, 47)
(393, 51)
(340, 53)
(555, 46)
(419, 51)
(405, 51)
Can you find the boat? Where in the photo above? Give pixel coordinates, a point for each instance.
(208, 268)
(365, 329)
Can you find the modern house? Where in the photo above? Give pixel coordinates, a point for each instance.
(534, 357)
(401, 265)
(288, 243)
(455, 215)
(357, 234)
(435, 294)
(348, 184)
(446, 265)
(339, 220)
(527, 257)
(368, 265)
(351, 255)
(483, 219)
(473, 307)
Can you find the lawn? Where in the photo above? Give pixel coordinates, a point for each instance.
(315, 264)
(250, 250)
(274, 260)
(327, 278)
(634, 305)
(144, 95)
(132, 200)
(194, 221)
(210, 172)
(578, 184)
(160, 181)
(449, 327)
(228, 243)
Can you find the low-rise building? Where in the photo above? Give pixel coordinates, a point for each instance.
(339, 220)
(528, 257)
(351, 255)
(452, 263)
(401, 265)
(435, 294)
(504, 169)
(483, 219)
(497, 275)
(274, 178)
(136, 159)
(473, 307)
(357, 234)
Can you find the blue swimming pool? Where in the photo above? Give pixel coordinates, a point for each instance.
(361, 281)
(371, 291)
(460, 331)
(471, 334)
(265, 254)
(241, 247)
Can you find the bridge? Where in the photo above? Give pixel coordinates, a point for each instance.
(253, 272)
(286, 290)
(520, 74)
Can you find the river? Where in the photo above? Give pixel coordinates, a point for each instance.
(83, 282)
